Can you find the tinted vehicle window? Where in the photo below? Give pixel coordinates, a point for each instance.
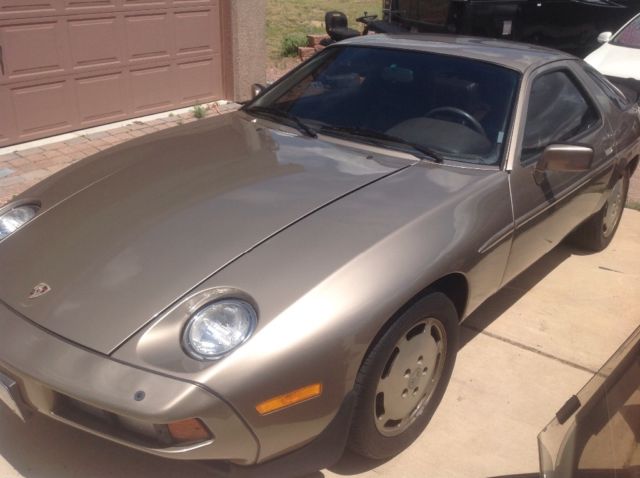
(629, 36)
(558, 111)
(457, 107)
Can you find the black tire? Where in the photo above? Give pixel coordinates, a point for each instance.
(596, 233)
(370, 428)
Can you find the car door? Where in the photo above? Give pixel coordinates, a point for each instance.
(597, 432)
(559, 110)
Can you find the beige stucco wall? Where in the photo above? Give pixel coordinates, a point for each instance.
(245, 50)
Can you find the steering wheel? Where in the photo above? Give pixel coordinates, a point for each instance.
(462, 113)
(366, 19)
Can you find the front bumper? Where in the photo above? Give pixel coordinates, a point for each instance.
(75, 385)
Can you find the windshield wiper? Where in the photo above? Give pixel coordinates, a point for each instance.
(299, 124)
(419, 151)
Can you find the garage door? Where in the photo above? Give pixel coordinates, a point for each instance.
(71, 64)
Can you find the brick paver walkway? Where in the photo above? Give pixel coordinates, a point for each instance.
(21, 169)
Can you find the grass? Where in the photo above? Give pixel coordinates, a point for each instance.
(633, 205)
(286, 17)
(291, 42)
(199, 111)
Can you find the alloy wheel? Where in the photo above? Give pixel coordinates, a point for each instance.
(410, 377)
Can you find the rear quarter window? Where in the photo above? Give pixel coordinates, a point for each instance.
(612, 92)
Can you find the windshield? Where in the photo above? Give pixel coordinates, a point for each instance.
(456, 108)
(630, 35)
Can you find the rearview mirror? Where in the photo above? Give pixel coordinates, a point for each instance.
(604, 37)
(563, 157)
(257, 89)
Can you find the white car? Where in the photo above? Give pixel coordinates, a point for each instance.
(619, 56)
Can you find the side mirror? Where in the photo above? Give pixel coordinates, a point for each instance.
(604, 37)
(564, 158)
(257, 89)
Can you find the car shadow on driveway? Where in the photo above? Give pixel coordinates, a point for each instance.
(493, 308)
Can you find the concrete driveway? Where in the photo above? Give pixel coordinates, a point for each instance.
(523, 354)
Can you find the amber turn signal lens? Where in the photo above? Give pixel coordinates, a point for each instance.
(286, 400)
(191, 430)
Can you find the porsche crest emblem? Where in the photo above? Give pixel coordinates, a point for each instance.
(39, 290)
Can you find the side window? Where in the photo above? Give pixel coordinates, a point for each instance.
(558, 111)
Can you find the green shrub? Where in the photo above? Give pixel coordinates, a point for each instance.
(199, 111)
(291, 42)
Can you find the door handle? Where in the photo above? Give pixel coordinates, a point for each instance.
(1, 62)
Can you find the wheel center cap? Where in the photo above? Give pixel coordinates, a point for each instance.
(414, 379)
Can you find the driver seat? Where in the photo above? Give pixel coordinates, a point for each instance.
(337, 26)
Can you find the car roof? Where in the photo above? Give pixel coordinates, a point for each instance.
(514, 55)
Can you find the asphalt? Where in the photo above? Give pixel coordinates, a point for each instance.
(523, 353)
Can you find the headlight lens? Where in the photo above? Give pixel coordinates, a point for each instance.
(15, 218)
(218, 328)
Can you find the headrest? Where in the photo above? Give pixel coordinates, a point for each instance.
(335, 19)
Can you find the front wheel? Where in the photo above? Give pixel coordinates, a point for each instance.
(597, 232)
(403, 378)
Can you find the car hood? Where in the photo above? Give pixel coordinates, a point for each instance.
(618, 61)
(125, 234)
